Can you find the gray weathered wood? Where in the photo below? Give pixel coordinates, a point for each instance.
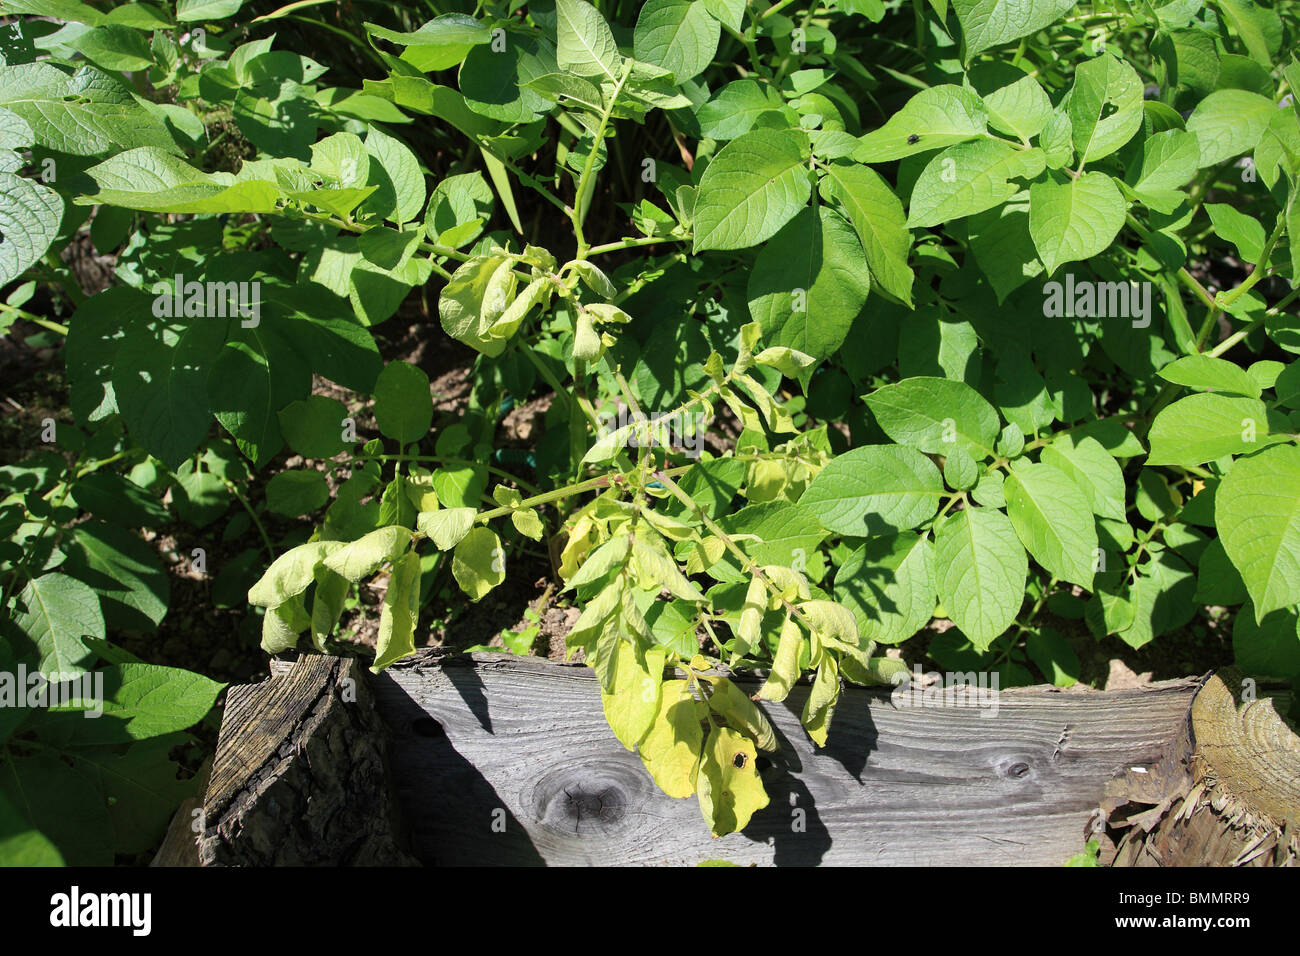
(509, 761)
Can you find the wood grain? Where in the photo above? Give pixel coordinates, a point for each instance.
(299, 775)
(500, 760)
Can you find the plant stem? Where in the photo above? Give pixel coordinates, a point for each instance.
(584, 180)
(34, 319)
(261, 529)
(633, 244)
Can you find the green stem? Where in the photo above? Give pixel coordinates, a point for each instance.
(584, 180)
(1240, 334)
(746, 563)
(1260, 268)
(257, 522)
(444, 460)
(34, 319)
(633, 244)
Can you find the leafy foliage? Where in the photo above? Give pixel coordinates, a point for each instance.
(936, 282)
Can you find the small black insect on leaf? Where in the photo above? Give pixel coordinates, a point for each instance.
(913, 139)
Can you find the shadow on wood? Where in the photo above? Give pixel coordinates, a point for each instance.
(501, 760)
(497, 760)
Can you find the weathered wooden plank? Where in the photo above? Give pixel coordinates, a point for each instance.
(509, 761)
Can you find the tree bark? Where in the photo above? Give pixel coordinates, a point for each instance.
(299, 777)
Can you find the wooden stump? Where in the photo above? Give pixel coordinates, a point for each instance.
(1238, 803)
(299, 775)
(508, 761)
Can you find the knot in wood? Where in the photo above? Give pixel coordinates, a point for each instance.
(589, 798)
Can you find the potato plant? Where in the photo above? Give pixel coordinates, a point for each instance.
(852, 317)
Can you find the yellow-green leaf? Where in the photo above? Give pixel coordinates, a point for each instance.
(671, 750)
(397, 618)
(730, 788)
(632, 705)
(733, 705)
(478, 564)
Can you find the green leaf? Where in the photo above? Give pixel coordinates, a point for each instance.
(989, 23)
(1161, 599)
(439, 44)
(1169, 160)
(1105, 106)
(446, 526)
(734, 706)
(932, 119)
(60, 803)
(1211, 374)
(403, 405)
(585, 44)
(934, 415)
(1054, 656)
(632, 704)
(1074, 220)
(1203, 427)
(1021, 108)
(1267, 647)
(969, 178)
(141, 787)
(874, 489)
(291, 573)
(785, 662)
(736, 108)
(396, 638)
(729, 786)
(152, 180)
(1053, 519)
(1258, 27)
(809, 283)
(1257, 513)
(1243, 231)
(678, 35)
(820, 705)
(327, 605)
(1217, 581)
(877, 216)
(29, 222)
(159, 379)
(114, 47)
(187, 11)
(363, 557)
(1003, 248)
(313, 427)
(456, 202)
(126, 573)
(57, 612)
(296, 492)
(395, 170)
(143, 701)
(86, 113)
(478, 563)
(252, 378)
(888, 584)
(979, 572)
(1097, 474)
(671, 749)
(479, 292)
(730, 12)
(753, 187)
(21, 844)
(1228, 123)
